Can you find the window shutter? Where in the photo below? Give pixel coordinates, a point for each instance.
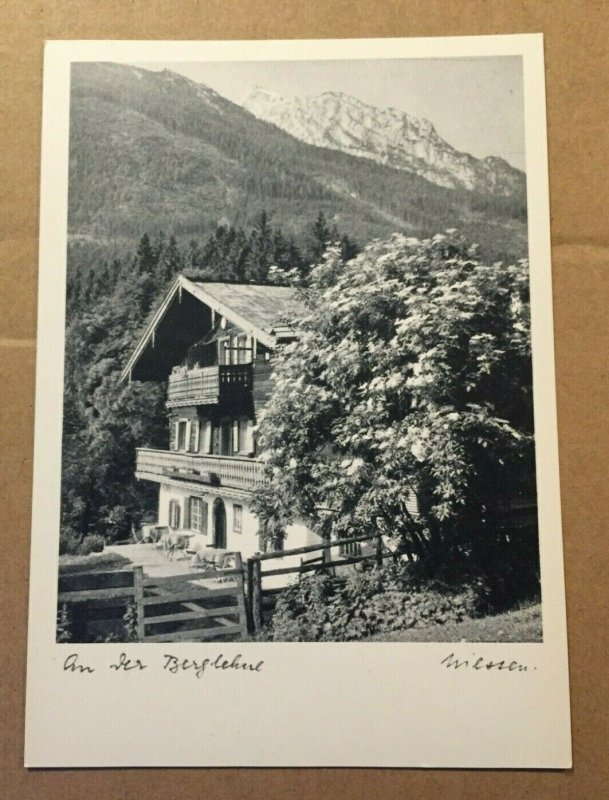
(206, 437)
(204, 517)
(235, 436)
(193, 444)
(187, 512)
(173, 434)
(174, 514)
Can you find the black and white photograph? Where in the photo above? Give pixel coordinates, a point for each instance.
(298, 361)
(298, 399)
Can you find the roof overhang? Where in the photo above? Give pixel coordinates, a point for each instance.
(198, 292)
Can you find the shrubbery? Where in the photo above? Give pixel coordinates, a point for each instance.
(321, 608)
(69, 541)
(93, 543)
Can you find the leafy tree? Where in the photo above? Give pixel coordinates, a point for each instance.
(412, 379)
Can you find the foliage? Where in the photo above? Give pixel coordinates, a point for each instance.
(92, 543)
(130, 623)
(69, 541)
(519, 625)
(64, 624)
(412, 379)
(321, 608)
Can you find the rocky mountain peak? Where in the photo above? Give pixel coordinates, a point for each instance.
(386, 135)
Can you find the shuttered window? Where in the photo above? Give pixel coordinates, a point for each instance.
(196, 515)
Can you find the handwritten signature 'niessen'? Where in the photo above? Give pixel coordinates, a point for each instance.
(480, 663)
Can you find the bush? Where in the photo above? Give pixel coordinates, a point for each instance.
(92, 543)
(384, 599)
(69, 541)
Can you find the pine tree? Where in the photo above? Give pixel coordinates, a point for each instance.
(145, 260)
(319, 239)
(261, 249)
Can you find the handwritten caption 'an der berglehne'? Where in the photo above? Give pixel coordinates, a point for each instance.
(169, 663)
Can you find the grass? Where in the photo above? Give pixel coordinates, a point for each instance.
(92, 562)
(520, 625)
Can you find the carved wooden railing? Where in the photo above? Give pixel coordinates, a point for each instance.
(203, 386)
(235, 472)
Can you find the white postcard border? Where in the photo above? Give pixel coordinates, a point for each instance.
(310, 704)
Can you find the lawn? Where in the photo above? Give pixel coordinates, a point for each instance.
(521, 625)
(95, 562)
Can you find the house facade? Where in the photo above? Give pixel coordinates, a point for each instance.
(214, 344)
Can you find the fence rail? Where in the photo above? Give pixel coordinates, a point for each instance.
(350, 552)
(197, 606)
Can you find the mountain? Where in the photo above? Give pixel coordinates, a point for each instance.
(385, 135)
(154, 150)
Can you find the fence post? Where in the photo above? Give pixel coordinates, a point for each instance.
(138, 591)
(256, 594)
(250, 594)
(379, 550)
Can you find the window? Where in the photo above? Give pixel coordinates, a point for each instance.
(174, 514)
(237, 518)
(196, 514)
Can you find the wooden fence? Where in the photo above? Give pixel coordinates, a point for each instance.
(350, 551)
(204, 605)
(197, 606)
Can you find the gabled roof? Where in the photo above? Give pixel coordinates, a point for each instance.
(261, 310)
(260, 306)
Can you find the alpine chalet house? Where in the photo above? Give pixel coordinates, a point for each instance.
(213, 343)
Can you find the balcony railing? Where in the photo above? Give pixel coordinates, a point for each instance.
(234, 472)
(203, 386)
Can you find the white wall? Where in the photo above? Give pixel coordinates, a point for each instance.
(246, 542)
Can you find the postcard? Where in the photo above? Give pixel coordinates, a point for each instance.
(296, 496)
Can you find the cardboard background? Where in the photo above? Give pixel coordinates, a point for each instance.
(577, 62)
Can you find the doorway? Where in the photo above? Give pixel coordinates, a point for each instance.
(219, 524)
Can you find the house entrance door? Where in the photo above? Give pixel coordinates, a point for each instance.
(219, 524)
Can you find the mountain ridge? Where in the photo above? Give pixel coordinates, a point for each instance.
(387, 135)
(155, 150)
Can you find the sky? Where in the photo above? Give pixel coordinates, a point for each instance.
(475, 104)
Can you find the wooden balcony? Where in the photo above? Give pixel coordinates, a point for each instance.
(205, 385)
(234, 472)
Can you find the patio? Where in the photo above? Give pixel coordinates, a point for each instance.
(153, 561)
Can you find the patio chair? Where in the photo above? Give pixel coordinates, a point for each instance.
(180, 551)
(162, 540)
(203, 558)
(228, 563)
